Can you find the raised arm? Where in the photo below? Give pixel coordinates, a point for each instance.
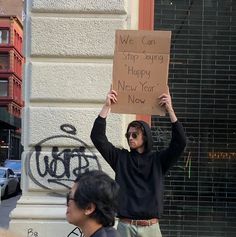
(165, 101)
(176, 147)
(111, 99)
(98, 133)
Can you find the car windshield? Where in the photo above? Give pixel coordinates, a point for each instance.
(2, 173)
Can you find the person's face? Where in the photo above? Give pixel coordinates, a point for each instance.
(135, 139)
(74, 214)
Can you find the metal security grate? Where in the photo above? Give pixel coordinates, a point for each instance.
(200, 191)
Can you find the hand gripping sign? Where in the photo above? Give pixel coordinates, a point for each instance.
(140, 70)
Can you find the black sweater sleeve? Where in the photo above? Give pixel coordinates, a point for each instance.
(176, 147)
(100, 141)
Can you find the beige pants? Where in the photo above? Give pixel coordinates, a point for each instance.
(128, 230)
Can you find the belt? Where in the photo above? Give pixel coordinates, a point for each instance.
(139, 222)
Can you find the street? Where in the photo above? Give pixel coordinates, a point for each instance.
(6, 206)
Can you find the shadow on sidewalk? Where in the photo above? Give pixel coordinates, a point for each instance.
(6, 206)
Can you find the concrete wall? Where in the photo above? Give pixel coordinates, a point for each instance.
(69, 47)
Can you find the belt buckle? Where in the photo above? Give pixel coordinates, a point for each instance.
(141, 222)
(148, 222)
(134, 222)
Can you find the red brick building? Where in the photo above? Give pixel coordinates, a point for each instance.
(11, 65)
(11, 8)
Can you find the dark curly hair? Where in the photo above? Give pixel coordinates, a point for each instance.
(98, 188)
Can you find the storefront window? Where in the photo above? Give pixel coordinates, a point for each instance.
(200, 191)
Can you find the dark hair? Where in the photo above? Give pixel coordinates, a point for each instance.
(98, 188)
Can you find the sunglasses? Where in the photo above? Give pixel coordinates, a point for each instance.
(68, 198)
(134, 135)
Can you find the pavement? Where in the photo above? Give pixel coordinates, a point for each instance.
(6, 206)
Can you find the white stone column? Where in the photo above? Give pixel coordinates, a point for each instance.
(69, 47)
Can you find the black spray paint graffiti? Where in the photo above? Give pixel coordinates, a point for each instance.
(76, 232)
(163, 139)
(32, 233)
(48, 165)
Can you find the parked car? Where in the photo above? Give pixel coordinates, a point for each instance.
(9, 182)
(14, 165)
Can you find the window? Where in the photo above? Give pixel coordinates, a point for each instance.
(4, 61)
(4, 36)
(3, 87)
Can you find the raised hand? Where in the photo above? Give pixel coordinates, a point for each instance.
(165, 101)
(111, 98)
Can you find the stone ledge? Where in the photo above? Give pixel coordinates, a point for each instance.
(74, 37)
(84, 6)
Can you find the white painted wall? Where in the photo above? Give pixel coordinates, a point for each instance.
(69, 47)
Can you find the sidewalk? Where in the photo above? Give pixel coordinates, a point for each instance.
(6, 206)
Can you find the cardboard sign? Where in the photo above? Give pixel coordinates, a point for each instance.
(140, 71)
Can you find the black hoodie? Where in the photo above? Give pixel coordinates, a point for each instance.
(140, 176)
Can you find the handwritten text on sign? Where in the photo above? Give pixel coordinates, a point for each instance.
(140, 70)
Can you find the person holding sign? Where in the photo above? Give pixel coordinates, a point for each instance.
(140, 171)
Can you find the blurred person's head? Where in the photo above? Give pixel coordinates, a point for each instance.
(92, 200)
